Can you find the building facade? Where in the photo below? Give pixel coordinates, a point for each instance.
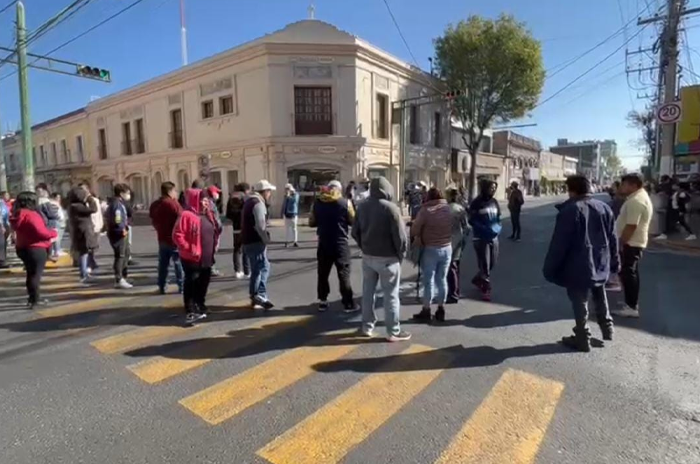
(522, 158)
(591, 156)
(305, 105)
(489, 165)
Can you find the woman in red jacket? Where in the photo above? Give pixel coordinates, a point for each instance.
(195, 235)
(32, 243)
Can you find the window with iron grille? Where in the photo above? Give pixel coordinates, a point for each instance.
(414, 134)
(102, 143)
(382, 116)
(207, 109)
(313, 111)
(226, 105)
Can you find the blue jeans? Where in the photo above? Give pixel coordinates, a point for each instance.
(386, 271)
(259, 269)
(83, 265)
(167, 253)
(56, 246)
(433, 267)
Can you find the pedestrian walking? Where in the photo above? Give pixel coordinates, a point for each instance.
(632, 229)
(214, 196)
(48, 210)
(195, 235)
(234, 209)
(60, 225)
(680, 208)
(381, 235)
(32, 245)
(416, 196)
(164, 213)
(5, 228)
(333, 216)
(117, 221)
(83, 238)
(515, 205)
(485, 219)
(290, 213)
(361, 192)
(255, 238)
(460, 233)
(98, 226)
(582, 253)
(432, 229)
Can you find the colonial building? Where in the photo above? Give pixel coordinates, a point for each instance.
(522, 158)
(591, 156)
(304, 105)
(554, 169)
(489, 165)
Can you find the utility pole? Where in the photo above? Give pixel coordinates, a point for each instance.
(669, 68)
(28, 178)
(3, 170)
(183, 33)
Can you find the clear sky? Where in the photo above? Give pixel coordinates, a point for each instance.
(144, 43)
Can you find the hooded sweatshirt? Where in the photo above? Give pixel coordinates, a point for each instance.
(332, 215)
(433, 225)
(485, 218)
(31, 230)
(378, 229)
(195, 234)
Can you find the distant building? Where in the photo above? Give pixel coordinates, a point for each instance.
(489, 165)
(591, 156)
(522, 158)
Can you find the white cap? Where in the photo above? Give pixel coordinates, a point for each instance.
(289, 187)
(264, 185)
(422, 184)
(335, 184)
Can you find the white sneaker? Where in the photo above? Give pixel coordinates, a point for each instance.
(661, 237)
(626, 311)
(691, 237)
(239, 275)
(123, 284)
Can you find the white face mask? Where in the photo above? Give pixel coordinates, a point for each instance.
(127, 197)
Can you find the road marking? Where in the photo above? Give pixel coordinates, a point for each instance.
(199, 352)
(509, 425)
(224, 400)
(330, 433)
(82, 306)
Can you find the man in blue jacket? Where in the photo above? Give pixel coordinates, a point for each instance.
(117, 223)
(581, 255)
(485, 219)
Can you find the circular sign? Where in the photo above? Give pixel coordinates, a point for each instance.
(669, 113)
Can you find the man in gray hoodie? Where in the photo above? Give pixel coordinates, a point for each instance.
(381, 235)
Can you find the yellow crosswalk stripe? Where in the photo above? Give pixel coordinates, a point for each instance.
(509, 425)
(224, 400)
(330, 433)
(82, 306)
(201, 352)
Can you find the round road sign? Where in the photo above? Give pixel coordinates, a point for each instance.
(669, 113)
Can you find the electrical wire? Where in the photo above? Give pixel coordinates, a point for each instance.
(398, 28)
(8, 6)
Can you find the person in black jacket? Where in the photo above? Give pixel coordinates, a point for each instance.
(515, 205)
(234, 209)
(82, 231)
(333, 216)
(117, 225)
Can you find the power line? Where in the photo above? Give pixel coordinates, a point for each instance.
(398, 28)
(8, 6)
(585, 73)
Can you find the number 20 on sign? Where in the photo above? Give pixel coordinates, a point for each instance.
(669, 113)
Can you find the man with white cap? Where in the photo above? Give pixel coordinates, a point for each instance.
(333, 216)
(290, 213)
(255, 238)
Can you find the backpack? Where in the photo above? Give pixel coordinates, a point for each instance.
(234, 209)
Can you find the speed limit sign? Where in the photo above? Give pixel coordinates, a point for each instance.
(669, 113)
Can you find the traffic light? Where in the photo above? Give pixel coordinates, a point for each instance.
(91, 72)
(451, 95)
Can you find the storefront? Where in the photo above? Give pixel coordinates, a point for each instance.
(307, 182)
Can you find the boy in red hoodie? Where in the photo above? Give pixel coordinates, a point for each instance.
(195, 236)
(164, 213)
(32, 243)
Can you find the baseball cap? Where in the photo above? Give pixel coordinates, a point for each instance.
(335, 184)
(289, 187)
(213, 189)
(264, 185)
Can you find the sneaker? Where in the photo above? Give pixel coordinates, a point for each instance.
(322, 306)
(296, 245)
(123, 284)
(365, 333)
(268, 305)
(161, 290)
(577, 343)
(88, 271)
(192, 318)
(203, 309)
(246, 275)
(440, 314)
(238, 275)
(452, 301)
(351, 308)
(661, 237)
(399, 337)
(486, 295)
(626, 311)
(216, 273)
(607, 332)
(691, 237)
(86, 280)
(423, 315)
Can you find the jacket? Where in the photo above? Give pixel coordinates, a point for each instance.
(433, 225)
(332, 215)
(515, 200)
(234, 209)
(254, 221)
(164, 213)
(378, 228)
(80, 211)
(31, 230)
(4, 215)
(98, 217)
(187, 233)
(49, 211)
(117, 219)
(485, 218)
(290, 206)
(583, 250)
(460, 230)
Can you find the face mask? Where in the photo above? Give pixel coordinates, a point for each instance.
(127, 197)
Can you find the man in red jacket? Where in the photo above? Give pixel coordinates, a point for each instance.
(164, 213)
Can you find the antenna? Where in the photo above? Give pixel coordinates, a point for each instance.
(312, 10)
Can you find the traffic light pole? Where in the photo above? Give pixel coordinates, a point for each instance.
(3, 170)
(28, 178)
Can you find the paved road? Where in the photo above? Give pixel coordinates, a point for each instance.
(110, 377)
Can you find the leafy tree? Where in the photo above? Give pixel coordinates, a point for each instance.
(497, 67)
(613, 166)
(644, 122)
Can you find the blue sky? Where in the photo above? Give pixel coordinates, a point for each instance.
(144, 43)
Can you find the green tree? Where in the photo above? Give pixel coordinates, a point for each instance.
(613, 166)
(497, 65)
(644, 121)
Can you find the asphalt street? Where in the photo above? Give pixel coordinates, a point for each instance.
(108, 376)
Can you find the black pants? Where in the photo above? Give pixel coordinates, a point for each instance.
(195, 287)
(629, 274)
(453, 281)
(240, 260)
(515, 221)
(327, 258)
(121, 258)
(683, 223)
(34, 260)
(4, 238)
(486, 257)
(579, 302)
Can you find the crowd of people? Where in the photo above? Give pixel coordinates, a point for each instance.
(592, 242)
